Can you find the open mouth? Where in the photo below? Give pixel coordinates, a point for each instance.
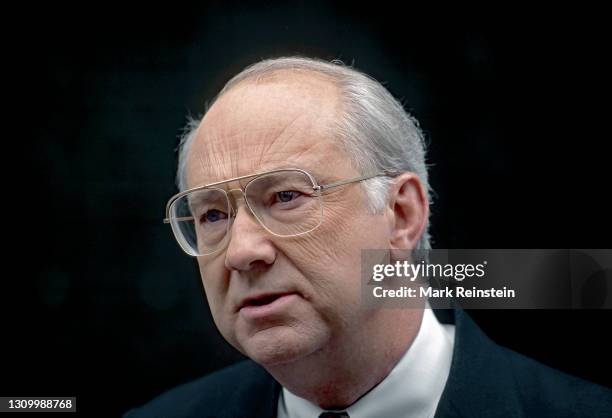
(266, 303)
(263, 300)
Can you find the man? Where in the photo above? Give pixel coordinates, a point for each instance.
(296, 167)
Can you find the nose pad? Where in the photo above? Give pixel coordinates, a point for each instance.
(233, 201)
(234, 205)
(249, 248)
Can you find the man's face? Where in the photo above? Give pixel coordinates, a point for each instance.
(280, 299)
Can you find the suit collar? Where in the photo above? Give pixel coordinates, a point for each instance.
(256, 396)
(480, 383)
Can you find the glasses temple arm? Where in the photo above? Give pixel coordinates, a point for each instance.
(355, 180)
(184, 218)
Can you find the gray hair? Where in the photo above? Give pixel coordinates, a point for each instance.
(374, 129)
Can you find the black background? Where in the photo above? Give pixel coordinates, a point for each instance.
(100, 303)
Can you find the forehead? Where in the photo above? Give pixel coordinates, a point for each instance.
(286, 120)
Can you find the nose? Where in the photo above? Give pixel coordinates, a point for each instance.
(249, 244)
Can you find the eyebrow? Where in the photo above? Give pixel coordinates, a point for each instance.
(320, 178)
(198, 198)
(314, 172)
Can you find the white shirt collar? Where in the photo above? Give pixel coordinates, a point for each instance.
(412, 389)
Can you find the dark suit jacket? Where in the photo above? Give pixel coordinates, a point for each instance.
(485, 380)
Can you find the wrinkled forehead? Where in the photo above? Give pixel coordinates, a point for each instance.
(278, 123)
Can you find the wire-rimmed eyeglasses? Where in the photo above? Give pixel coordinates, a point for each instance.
(286, 203)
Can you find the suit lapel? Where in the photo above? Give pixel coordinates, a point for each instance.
(256, 398)
(480, 383)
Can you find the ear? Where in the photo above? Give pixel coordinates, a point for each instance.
(409, 210)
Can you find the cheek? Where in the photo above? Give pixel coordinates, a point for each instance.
(347, 228)
(213, 276)
(330, 258)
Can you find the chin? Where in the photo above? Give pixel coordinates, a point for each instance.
(279, 345)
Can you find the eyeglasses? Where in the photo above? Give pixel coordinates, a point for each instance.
(286, 202)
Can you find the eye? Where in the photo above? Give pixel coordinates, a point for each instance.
(213, 215)
(287, 195)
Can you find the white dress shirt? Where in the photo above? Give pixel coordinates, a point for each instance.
(412, 389)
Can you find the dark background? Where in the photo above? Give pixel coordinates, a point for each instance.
(100, 302)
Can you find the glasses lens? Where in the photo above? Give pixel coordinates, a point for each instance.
(285, 202)
(200, 220)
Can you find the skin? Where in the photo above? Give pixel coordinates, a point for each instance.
(322, 344)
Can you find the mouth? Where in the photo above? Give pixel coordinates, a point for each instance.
(261, 305)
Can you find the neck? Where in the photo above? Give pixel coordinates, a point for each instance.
(351, 365)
